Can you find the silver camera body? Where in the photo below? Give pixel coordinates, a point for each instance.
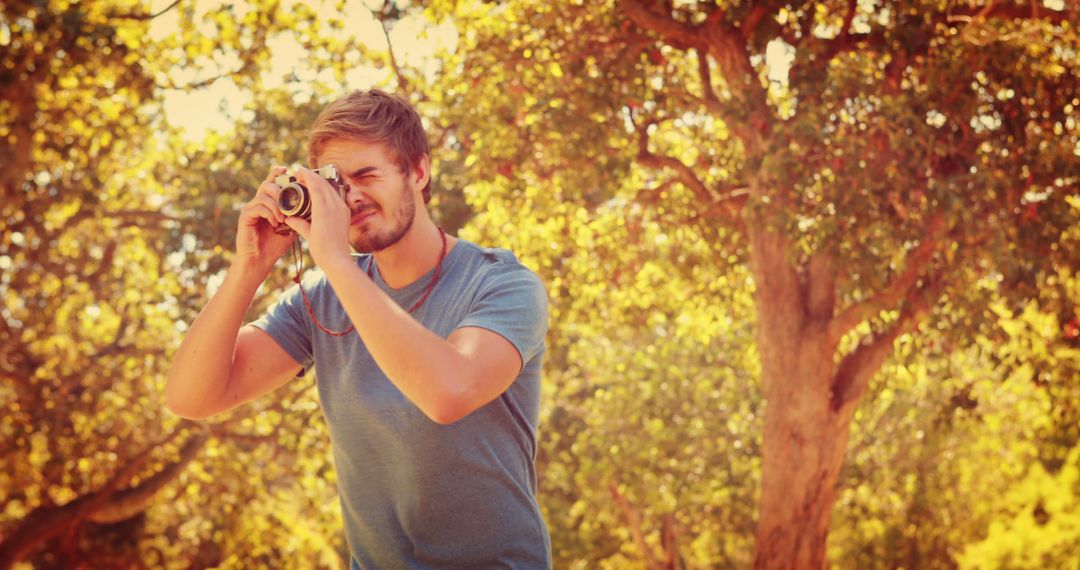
(295, 200)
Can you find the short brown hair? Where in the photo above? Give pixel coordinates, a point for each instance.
(373, 116)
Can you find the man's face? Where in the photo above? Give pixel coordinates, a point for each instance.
(380, 197)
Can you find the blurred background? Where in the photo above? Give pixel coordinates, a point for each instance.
(812, 270)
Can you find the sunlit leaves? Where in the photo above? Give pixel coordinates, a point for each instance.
(115, 229)
(917, 116)
(95, 223)
(1040, 526)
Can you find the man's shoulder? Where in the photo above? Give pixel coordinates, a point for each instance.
(315, 284)
(315, 277)
(493, 262)
(486, 254)
(313, 280)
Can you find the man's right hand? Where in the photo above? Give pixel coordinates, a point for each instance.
(258, 245)
(220, 365)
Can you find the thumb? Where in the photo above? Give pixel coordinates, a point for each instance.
(299, 225)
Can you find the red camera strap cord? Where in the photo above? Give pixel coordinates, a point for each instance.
(298, 255)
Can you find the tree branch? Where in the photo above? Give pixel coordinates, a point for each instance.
(94, 278)
(750, 24)
(145, 16)
(857, 368)
(727, 47)
(14, 358)
(712, 102)
(847, 41)
(382, 15)
(245, 56)
(727, 206)
(47, 522)
(126, 218)
(633, 522)
(677, 34)
(684, 172)
(129, 502)
(845, 29)
(128, 471)
(914, 265)
(142, 214)
(220, 431)
(651, 196)
(18, 155)
(1012, 12)
(116, 346)
(669, 540)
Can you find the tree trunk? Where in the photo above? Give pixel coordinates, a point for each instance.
(106, 505)
(802, 457)
(811, 391)
(805, 435)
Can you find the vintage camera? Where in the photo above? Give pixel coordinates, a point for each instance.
(294, 199)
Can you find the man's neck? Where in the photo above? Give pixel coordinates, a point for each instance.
(416, 253)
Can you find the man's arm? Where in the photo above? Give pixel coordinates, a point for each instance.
(219, 365)
(446, 378)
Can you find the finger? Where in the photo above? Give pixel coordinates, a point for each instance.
(324, 198)
(254, 210)
(275, 171)
(269, 186)
(272, 204)
(270, 189)
(299, 225)
(315, 183)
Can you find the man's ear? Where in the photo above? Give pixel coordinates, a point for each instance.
(421, 172)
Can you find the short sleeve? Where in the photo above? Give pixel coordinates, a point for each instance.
(288, 324)
(512, 304)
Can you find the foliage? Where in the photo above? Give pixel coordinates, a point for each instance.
(946, 428)
(1044, 529)
(108, 235)
(552, 124)
(928, 155)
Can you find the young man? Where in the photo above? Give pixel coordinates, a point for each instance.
(432, 394)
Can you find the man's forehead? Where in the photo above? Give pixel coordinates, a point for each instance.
(351, 155)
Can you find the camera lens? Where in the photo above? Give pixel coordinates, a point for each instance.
(294, 201)
(290, 199)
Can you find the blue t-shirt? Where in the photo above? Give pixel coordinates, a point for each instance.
(414, 493)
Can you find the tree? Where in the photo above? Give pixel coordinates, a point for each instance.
(911, 149)
(115, 228)
(101, 271)
(732, 252)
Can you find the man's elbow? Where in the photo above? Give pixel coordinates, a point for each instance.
(186, 411)
(191, 400)
(446, 413)
(452, 405)
(185, 408)
(175, 403)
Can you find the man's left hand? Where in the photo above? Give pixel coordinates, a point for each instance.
(327, 233)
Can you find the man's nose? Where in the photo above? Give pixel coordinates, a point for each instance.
(353, 196)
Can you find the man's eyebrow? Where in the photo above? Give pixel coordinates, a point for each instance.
(362, 171)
